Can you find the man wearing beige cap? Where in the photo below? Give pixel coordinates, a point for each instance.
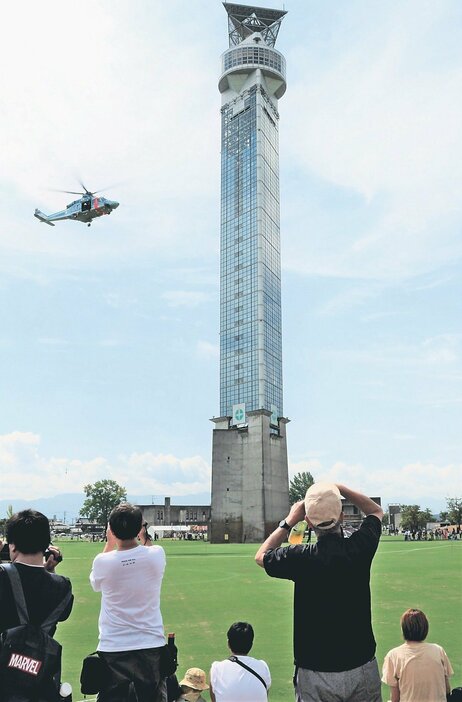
(334, 646)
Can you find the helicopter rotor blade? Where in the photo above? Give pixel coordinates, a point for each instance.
(108, 187)
(70, 192)
(87, 192)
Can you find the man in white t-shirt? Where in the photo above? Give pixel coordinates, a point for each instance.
(131, 633)
(240, 678)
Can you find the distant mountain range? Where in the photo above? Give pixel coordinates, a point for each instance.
(66, 507)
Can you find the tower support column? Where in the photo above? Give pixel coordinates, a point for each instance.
(249, 479)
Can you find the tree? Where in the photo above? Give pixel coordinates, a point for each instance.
(299, 485)
(444, 516)
(454, 505)
(102, 497)
(413, 518)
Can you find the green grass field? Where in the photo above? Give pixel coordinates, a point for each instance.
(207, 587)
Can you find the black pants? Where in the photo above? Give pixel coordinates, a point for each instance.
(138, 667)
(48, 692)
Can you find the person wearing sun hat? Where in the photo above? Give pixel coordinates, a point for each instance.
(193, 683)
(334, 645)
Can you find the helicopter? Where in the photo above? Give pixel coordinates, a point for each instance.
(85, 209)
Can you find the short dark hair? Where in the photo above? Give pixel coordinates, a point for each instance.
(125, 521)
(240, 637)
(29, 531)
(414, 625)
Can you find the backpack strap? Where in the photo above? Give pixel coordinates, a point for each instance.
(235, 659)
(54, 616)
(21, 607)
(18, 592)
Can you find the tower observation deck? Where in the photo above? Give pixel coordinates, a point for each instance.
(249, 463)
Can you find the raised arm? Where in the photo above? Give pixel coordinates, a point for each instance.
(279, 535)
(362, 502)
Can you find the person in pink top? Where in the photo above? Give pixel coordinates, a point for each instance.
(417, 671)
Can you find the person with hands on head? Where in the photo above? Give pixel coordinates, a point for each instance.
(331, 596)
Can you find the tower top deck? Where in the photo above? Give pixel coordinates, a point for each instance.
(245, 20)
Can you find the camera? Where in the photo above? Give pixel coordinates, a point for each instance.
(56, 556)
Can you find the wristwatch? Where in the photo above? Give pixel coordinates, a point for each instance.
(283, 525)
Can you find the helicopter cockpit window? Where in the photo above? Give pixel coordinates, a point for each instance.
(86, 205)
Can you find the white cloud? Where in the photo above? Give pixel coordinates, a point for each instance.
(27, 474)
(103, 105)
(441, 349)
(384, 132)
(184, 298)
(53, 341)
(413, 482)
(353, 297)
(432, 354)
(207, 350)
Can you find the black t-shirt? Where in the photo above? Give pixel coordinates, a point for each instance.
(332, 601)
(42, 591)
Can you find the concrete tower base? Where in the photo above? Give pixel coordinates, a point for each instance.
(250, 482)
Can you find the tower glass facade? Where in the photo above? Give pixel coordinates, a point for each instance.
(249, 450)
(250, 303)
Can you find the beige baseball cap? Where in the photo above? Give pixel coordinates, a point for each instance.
(323, 505)
(195, 678)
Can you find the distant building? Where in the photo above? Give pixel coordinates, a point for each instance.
(176, 515)
(89, 526)
(58, 527)
(352, 516)
(394, 515)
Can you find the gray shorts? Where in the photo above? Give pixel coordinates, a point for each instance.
(357, 685)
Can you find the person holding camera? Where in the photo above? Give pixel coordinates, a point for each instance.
(34, 560)
(334, 645)
(131, 634)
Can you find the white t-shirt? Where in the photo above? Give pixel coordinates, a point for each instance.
(233, 683)
(419, 669)
(130, 618)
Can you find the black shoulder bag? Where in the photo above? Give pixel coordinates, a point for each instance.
(235, 659)
(29, 656)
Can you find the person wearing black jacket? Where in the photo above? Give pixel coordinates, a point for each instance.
(28, 537)
(334, 645)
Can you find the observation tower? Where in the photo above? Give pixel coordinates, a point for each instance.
(249, 456)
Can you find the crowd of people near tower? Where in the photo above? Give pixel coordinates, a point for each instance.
(135, 663)
(438, 534)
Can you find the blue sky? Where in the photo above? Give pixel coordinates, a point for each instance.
(109, 334)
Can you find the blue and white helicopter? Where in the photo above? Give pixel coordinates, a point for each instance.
(83, 210)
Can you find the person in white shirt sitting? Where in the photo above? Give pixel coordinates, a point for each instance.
(240, 677)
